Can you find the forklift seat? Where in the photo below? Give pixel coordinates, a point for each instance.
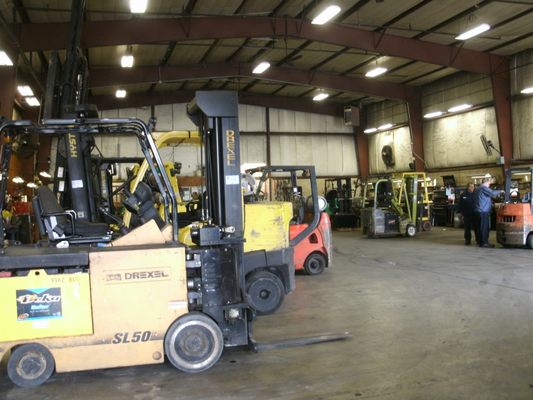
(60, 224)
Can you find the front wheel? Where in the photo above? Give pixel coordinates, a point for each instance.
(411, 230)
(265, 292)
(194, 343)
(529, 241)
(315, 264)
(30, 365)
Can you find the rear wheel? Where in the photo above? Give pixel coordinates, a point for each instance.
(410, 231)
(194, 343)
(315, 264)
(265, 292)
(30, 365)
(529, 241)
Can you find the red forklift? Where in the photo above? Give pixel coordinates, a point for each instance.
(514, 218)
(310, 229)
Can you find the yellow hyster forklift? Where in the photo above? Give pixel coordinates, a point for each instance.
(78, 300)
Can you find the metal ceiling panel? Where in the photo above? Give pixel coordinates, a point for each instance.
(223, 50)
(111, 55)
(259, 7)
(189, 52)
(219, 7)
(375, 14)
(427, 17)
(516, 47)
(434, 76)
(265, 87)
(344, 62)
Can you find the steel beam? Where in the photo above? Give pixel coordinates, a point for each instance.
(414, 108)
(154, 98)
(361, 145)
(501, 92)
(103, 77)
(45, 36)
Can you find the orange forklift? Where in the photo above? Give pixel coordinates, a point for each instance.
(514, 218)
(310, 228)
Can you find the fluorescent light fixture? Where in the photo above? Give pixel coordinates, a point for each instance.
(45, 174)
(4, 58)
(460, 107)
(433, 114)
(25, 90)
(120, 93)
(376, 72)
(326, 15)
(370, 130)
(17, 179)
(138, 6)
(32, 185)
(33, 101)
(127, 61)
(261, 67)
(473, 32)
(321, 96)
(384, 127)
(528, 90)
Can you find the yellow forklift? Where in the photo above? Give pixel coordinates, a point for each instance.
(78, 301)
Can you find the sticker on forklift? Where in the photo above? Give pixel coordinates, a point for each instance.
(38, 303)
(60, 171)
(77, 184)
(61, 186)
(233, 180)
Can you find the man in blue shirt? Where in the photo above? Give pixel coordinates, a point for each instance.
(466, 207)
(483, 196)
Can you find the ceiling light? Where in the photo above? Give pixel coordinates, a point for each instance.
(376, 72)
(371, 130)
(33, 101)
(127, 61)
(138, 6)
(433, 114)
(25, 91)
(384, 127)
(321, 96)
(528, 90)
(120, 93)
(32, 185)
(460, 107)
(326, 15)
(4, 58)
(17, 179)
(45, 174)
(261, 67)
(473, 32)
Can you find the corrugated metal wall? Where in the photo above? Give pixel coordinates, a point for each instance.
(400, 140)
(297, 138)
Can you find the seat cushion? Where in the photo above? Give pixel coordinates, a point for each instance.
(84, 228)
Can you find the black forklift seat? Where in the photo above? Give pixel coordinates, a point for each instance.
(60, 224)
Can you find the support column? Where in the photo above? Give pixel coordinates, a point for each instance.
(414, 109)
(501, 92)
(361, 145)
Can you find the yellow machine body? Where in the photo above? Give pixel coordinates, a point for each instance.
(266, 225)
(115, 315)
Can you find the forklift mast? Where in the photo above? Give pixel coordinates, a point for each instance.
(66, 92)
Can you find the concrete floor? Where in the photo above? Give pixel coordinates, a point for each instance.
(430, 318)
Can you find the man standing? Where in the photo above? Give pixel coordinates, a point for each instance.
(483, 206)
(466, 207)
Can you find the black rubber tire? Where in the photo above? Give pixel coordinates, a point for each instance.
(426, 226)
(315, 264)
(265, 292)
(529, 241)
(30, 365)
(193, 343)
(410, 231)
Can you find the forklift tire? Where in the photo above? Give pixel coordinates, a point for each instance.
(529, 241)
(194, 343)
(30, 365)
(315, 264)
(410, 231)
(265, 292)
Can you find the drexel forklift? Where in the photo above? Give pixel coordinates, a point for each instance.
(77, 301)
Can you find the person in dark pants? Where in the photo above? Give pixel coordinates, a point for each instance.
(466, 207)
(483, 206)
